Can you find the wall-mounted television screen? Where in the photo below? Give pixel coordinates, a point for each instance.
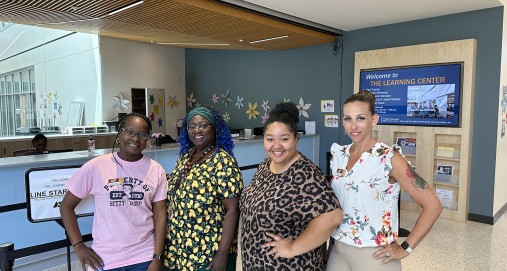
(416, 95)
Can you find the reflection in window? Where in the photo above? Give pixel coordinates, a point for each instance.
(17, 101)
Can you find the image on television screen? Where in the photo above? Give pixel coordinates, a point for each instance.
(423, 95)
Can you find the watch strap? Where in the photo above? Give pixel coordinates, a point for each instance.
(157, 256)
(407, 247)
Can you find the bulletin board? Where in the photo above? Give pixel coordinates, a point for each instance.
(45, 189)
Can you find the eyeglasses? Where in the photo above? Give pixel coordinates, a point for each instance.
(200, 126)
(131, 133)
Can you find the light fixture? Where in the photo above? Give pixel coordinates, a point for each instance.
(275, 38)
(68, 22)
(125, 7)
(193, 44)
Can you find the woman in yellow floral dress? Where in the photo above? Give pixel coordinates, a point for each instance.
(203, 197)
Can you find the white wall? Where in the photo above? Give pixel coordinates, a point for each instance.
(500, 193)
(129, 64)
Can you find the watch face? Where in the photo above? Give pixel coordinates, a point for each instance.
(404, 245)
(157, 256)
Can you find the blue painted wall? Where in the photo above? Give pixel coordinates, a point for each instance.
(311, 73)
(314, 73)
(486, 27)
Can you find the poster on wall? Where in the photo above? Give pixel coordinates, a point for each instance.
(45, 189)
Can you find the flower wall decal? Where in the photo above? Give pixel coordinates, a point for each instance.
(191, 100)
(172, 101)
(265, 105)
(252, 111)
(226, 99)
(160, 100)
(265, 117)
(152, 117)
(160, 122)
(303, 108)
(227, 117)
(239, 102)
(120, 102)
(214, 98)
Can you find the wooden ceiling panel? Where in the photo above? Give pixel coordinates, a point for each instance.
(176, 21)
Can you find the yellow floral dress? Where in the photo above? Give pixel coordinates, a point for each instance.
(195, 209)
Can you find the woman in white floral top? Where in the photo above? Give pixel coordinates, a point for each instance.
(361, 171)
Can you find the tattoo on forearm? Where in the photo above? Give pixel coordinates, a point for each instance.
(416, 179)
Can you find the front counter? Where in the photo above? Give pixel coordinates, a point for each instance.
(55, 142)
(15, 227)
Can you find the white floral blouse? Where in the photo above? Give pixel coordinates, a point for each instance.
(369, 201)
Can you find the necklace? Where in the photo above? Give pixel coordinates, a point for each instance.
(189, 164)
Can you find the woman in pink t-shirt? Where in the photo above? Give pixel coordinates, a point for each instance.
(130, 192)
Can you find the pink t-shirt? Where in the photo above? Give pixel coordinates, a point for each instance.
(123, 221)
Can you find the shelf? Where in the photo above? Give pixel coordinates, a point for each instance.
(446, 184)
(410, 155)
(76, 130)
(446, 158)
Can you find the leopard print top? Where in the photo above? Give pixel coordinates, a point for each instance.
(283, 204)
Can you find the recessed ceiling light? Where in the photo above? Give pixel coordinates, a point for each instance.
(193, 44)
(125, 7)
(241, 40)
(268, 39)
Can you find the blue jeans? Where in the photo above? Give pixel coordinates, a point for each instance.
(133, 267)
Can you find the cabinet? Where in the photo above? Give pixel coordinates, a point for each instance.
(9, 147)
(441, 157)
(150, 102)
(446, 165)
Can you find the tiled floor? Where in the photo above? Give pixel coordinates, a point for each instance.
(450, 246)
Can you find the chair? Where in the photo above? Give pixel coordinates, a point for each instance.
(22, 152)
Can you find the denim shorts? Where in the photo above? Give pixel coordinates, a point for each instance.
(134, 267)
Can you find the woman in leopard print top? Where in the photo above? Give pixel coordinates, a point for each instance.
(289, 209)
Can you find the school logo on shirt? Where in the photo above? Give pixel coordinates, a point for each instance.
(127, 191)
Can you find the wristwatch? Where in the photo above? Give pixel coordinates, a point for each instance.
(407, 247)
(157, 256)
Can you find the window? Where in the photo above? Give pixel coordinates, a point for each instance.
(17, 101)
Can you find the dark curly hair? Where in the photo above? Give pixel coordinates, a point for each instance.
(38, 137)
(363, 96)
(223, 138)
(286, 113)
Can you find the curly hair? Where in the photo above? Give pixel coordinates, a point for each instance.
(223, 138)
(286, 113)
(38, 137)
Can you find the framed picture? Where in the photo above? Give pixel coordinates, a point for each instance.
(331, 121)
(326, 105)
(444, 169)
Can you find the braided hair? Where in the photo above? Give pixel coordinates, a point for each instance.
(122, 123)
(223, 138)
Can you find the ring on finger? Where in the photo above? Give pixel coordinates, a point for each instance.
(388, 254)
